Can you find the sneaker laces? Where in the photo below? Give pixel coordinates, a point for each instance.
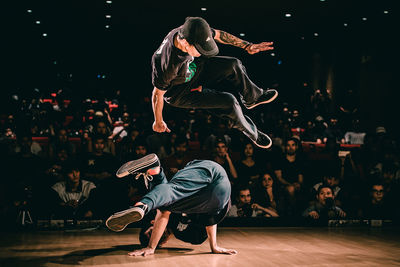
(146, 177)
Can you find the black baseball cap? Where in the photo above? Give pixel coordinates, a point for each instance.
(198, 33)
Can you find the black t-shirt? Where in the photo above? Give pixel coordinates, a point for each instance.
(187, 228)
(170, 65)
(97, 164)
(290, 170)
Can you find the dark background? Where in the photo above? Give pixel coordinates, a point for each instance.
(78, 48)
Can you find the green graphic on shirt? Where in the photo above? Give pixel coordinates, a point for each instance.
(192, 70)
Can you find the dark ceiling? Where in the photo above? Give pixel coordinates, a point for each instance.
(78, 46)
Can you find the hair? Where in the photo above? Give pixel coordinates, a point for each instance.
(323, 186)
(71, 165)
(270, 173)
(140, 141)
(180, 140)
(242, 187)
(244, 144)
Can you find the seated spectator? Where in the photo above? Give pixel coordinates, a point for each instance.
(334, 131)
(266, 194)
(324, 208)
(140, 148)
(125, 148)
(308, 134)
(289, 172)
(356, 135)
(25, 139)
(73, 195)
(376, 206)
(317, 134)
(223, 158)
(247, 168)
(99, 166)
(61, 141)
(55, 172)
(121, 128)
(297, 120)
(243, 206)
(220, 133)
(101, 128)
(179, 159)
(332, 180)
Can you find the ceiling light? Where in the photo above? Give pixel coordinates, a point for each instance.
(288, 15)
(38, 22)
(29, 11)
(364, 19)
(386, 12)
(107, 26)
(272, 54)
(203, 9)
(242, 34)
(109, 2)
(44, 34)
(108, 16)
(345, 24)
(316, 34)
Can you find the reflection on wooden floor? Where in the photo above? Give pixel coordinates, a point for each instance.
(255, 246)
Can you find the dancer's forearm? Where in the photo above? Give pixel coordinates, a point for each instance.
(227, 38)
(158, 104)
(160, 224)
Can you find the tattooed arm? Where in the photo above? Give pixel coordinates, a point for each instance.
(227, 38)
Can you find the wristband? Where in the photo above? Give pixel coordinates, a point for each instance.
(246, 46)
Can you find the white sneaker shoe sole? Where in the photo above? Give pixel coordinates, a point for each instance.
(120, 220)
(264, 102)
(135, 165)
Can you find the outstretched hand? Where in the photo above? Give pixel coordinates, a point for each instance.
(142, 252)
(228, 251)
(255, 48)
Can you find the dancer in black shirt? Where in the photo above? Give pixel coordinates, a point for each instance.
(188, 74)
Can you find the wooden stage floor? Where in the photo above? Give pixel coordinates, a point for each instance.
(256, 247)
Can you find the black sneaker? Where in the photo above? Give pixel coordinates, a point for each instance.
(149, 165)
(118, 221)
(267, 97)
(263, 140)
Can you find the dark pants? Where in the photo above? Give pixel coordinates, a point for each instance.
(201, 187)
(221, 78)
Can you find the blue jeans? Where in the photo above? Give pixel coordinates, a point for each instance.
(201, 187)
